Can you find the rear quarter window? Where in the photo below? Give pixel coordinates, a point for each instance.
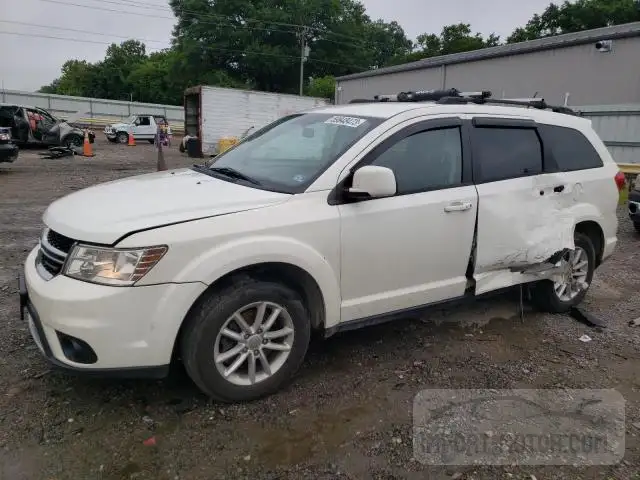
(570, 148)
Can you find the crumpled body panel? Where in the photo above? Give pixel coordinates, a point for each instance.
(522, 224)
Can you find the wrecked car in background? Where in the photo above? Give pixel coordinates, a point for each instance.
(36, 126)
(8, 149)
(634, 203)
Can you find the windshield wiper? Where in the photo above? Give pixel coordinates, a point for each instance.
(233, 173)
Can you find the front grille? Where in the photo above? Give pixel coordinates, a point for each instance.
(59, 241)
(54, 248)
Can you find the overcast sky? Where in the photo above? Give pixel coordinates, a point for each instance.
(36, 61)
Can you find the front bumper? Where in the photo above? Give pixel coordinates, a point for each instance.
(8, 152)
(130, 330)
(634, 206)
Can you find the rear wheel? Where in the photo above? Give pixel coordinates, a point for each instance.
(122, 137)
(246, 341)
(637, 226)
(151, 141)
(559, 296)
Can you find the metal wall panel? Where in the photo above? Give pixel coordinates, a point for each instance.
(590, 77)
(385, 84)
(619, 128)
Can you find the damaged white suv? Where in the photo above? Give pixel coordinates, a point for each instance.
(324, 221)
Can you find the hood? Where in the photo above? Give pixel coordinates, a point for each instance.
(76, 116)
(104, 213)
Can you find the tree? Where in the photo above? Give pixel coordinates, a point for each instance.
(577, 16)
(323, 87)
(453, 39)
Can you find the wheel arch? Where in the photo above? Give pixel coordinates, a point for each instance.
(594, 232)
(288, 274)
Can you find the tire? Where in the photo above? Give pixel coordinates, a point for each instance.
(544, 295)
(201, 343)
(151, 141)
(122, 137)
(637, 226)
(73, 141)
(181, 147)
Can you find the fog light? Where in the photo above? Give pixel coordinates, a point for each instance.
(76, 350)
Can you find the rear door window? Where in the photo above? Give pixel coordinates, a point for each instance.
(570, 148)
(504, 153)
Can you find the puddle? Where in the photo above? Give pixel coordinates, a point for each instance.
(309, 435)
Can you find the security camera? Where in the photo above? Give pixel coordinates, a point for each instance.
(604, 46)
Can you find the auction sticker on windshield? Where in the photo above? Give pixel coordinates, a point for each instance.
(353, 122)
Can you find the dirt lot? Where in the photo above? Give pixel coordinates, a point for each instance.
(348, 413)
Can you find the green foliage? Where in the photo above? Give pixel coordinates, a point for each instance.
(577, 16)
(453, 39)
(323, 87)
(256, 44)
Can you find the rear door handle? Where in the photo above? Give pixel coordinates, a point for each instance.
(558, 189)
(458, 207)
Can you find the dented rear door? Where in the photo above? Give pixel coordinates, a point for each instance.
(522, 216)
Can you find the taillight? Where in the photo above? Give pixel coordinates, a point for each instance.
(621, 180)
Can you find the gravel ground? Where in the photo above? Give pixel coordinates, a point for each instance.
(348, 413)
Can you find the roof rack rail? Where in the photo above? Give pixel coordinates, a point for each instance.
(454, 96)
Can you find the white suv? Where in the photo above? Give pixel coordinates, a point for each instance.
(324, 221)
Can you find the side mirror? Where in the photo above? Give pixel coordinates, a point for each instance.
(372, 182)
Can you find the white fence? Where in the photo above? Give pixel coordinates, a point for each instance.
(97, 112)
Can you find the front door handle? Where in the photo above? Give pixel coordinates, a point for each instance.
(558, 189)
(458, 207)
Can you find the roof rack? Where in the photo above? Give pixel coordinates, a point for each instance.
(454, 96)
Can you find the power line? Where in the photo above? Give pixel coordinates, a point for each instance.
(208, 15)
(91, 32)
(242, 52)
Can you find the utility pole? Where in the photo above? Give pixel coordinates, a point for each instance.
(304, 54)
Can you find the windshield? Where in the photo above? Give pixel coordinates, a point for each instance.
(290, 153)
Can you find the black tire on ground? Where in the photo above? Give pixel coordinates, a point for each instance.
(73, 141)
(543, 294)
(197, 342)
(112, 140)
(637, 226)
(152, 141)
(122, 137)
(181, 147)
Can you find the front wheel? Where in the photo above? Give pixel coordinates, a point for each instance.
(122, 137)
(73, 141)
(561, 295)
(246, 341)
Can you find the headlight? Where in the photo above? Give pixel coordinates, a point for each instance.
(111, 266)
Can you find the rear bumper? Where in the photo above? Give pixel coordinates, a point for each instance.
(8, 152)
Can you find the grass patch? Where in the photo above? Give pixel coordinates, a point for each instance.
(624, 196)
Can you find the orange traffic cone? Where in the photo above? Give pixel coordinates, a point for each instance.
(87, 149)
(132, 140)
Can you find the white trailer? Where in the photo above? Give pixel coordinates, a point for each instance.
(212, 113)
